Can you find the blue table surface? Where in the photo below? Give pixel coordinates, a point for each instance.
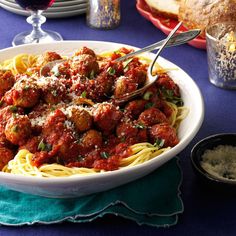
(205, 212)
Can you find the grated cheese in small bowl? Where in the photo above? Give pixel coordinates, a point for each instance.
(220, 162)
(214, 159)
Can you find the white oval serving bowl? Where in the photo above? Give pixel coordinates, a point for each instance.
(75, 186)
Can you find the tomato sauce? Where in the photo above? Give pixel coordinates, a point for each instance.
(69, 117)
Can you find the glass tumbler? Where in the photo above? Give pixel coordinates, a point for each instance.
(221, 54)
(103, 14)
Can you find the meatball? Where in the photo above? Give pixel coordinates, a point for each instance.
(66, 146)
(113, 68)
(133, 64)
(18, 129)
(54, 91)
(85, 50)
(32, 144)
(106, 116)
(134, 108)
(152, 116)
(130, 133)
(166, 83)
(5, 114)
(6, 155)
(25, 94)
(47, 57)
(137, 75)
(7, 80)
(62, 70)
(59, 137)
(165, 132)
(103, 85)
(123, 85)
(54, 124)
(126, 130)
(82, 119)
(91, 139)
(85, 65)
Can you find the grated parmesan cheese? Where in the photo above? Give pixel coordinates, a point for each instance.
(38, 120)
(220, 162)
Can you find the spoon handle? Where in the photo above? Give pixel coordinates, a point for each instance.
(163, 46)
(176, 40)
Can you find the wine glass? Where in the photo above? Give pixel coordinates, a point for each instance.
(37, 35)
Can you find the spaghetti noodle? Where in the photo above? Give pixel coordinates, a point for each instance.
(89, 134)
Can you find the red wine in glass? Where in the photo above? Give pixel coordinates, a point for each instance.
(37, 35)
(34, 5)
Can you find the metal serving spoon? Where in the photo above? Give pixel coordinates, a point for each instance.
(150, 77)
(176, 40)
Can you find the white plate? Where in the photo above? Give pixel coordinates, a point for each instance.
(46, 13)
(50, 9)
(83, 185)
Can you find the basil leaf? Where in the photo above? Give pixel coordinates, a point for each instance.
(140, 126)
(84, 94)
(126, 63)
(104, 155)
(44, 146)
(149, 105)
(169, 96)
(159, 143)
(147, 95)
(111, 71)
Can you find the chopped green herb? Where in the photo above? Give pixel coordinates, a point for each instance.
(159, 143)
(13, 109)
(169, 96)
(126, 63)
(52, 108)
(111, 71)
(84, 94)
(140, 126)
(104, 155)
(44, 146)
(147, 95)
(149, 105)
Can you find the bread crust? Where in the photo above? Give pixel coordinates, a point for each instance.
(161, 11)
(201, 13)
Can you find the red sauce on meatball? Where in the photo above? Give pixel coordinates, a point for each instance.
(70, 117)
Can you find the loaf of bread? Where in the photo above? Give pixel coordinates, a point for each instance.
(166, 8)
(201, 13)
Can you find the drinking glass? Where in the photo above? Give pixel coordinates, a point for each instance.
(37, 35)
(221, 54)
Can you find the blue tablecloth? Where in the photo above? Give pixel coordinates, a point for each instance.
(206, 212)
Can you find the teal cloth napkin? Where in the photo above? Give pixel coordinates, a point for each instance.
(152, 200)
